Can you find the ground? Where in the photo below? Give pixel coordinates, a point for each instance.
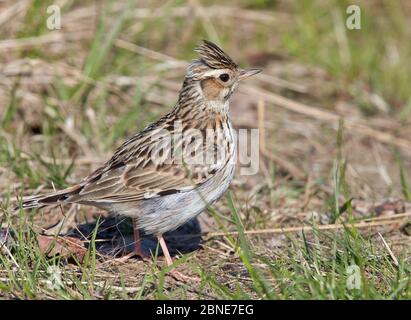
(325, 217)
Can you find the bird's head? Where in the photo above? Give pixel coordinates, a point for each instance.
(215, 74)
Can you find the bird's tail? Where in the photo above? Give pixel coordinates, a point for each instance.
(49, 199)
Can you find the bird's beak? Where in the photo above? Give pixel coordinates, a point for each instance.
(246, 73)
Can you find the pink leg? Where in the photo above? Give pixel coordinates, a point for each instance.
(175, 273)
(138, 251)
(163, 245)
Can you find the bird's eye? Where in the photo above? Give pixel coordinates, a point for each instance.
(224, 77)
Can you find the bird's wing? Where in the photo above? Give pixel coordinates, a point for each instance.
(131, 183)
(132, 174)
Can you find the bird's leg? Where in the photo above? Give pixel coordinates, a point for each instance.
(163, 245)
(137, 244)
(175, 273)
(137, 251)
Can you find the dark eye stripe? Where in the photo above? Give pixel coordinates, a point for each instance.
(224, 77)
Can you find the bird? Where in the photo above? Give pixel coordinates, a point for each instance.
(161, 181)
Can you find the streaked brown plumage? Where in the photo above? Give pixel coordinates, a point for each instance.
(162, 195)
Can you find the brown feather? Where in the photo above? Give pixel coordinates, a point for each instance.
(214, 56)
(211, 88)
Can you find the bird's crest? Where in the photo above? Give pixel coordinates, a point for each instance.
(214, 57)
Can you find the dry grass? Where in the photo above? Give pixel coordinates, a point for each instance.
(68, 97)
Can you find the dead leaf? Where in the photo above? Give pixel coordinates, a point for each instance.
(64, 246)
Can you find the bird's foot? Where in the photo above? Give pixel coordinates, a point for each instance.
(177, 275)
(135, 253)
(174, 272)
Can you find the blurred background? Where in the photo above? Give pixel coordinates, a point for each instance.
(333, 105)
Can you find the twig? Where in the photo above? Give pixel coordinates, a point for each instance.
(148, 52)
(394, 259)
(4, 247)
(326, 116)
(67, 221)
(285, 84)
(70, 283)
(78, 161)
(387, 217)
(25, 43)
(358, 225)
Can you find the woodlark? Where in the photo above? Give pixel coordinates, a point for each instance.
(173, 169)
